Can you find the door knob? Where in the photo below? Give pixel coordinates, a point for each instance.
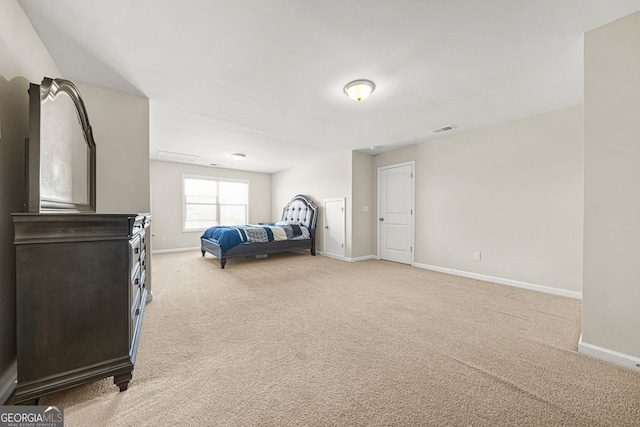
(381, 219)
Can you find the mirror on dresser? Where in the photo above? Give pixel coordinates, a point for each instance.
(61, 151)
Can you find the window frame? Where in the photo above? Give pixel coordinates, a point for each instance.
(217, 180)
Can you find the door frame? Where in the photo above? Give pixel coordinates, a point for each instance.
(411, 163)
(344, 227)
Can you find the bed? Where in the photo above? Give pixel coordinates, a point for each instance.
(298, 215)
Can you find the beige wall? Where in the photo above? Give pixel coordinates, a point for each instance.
(23, 59)
(512, 192)
(611, 296)
(120, 124)
(327, 178)
(166, 183)
(363, 241)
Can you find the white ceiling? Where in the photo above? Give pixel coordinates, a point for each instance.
(265, 77)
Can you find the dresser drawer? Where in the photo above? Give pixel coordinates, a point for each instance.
(136, 249)
(143, 278)
(136, 310)
(135, 274)
(143, 240)
(135, 302)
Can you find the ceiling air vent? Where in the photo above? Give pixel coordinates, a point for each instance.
(177, 156)
(443, 129)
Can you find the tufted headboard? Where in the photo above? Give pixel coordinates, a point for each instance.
(303, 210)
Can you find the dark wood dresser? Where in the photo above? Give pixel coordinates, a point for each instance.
(81, 291)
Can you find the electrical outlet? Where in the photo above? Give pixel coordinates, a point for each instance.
(163, 238)
(365, 208)
(477, 256)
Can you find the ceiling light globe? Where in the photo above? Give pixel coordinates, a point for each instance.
(359, 89)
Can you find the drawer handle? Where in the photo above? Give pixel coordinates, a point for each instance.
(137, 311)
(137, 281)
(136, 250)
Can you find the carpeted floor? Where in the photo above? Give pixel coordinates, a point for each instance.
(296, 340)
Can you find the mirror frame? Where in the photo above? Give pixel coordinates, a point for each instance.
(34, 202)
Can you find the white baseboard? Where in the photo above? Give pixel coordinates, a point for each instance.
(168, 251)
(8, 382)
(362, 258)
(608, 355)
(343, 258)
(501, 281)
(328, 255)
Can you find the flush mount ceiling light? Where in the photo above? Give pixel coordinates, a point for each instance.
(238, 157)
(359, 89)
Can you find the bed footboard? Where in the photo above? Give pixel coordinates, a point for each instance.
(252, 249)
(213, 249)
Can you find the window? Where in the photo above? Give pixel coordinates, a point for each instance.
(213, 201)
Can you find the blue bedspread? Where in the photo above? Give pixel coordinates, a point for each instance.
(229, 236)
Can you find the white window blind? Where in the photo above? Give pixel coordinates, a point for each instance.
(213, 201)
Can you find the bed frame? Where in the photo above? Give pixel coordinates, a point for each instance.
(300, 208)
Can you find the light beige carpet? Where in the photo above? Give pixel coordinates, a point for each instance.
(296, 340)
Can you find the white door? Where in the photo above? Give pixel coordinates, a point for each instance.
(395, 213)
(334, 228)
